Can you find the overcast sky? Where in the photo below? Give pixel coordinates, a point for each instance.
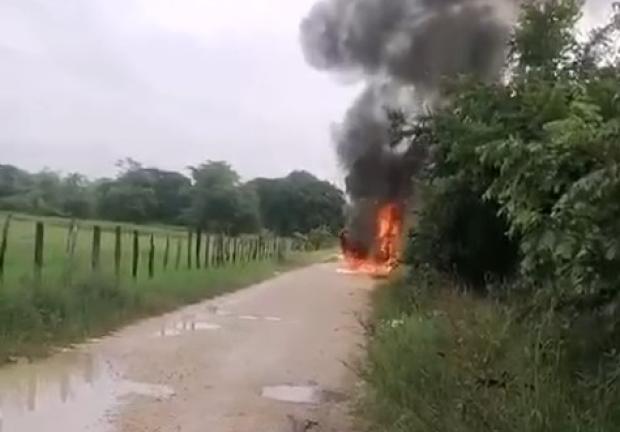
(170, 83)
(167, 82)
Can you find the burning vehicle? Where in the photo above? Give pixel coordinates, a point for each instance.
(402, 51)
(383, 254)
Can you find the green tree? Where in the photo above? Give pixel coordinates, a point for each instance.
(543, 148)
(76, 198)
(142, 194)
(219, 203)
(13, 181)
(126, 202)
(299, 203)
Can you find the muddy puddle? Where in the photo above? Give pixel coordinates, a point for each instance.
(218, 311)
(71, 392)
(185, 326)
(294, 394)
(301, 394)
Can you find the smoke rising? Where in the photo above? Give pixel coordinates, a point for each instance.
(402, 49)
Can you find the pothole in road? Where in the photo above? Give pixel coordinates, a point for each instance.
(217, 310)
(257, 318)
(154, 391)
(294, 394)
(310, 394)
(179, 328)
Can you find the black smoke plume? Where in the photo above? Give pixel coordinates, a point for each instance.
(402, 49)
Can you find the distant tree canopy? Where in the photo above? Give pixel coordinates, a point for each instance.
(298, 203)
(143, 194)
(219, 202)
(212, 198)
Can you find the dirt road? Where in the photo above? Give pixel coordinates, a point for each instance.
(268, 358)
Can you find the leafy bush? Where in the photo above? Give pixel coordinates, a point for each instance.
(460, 233)
(321, 238)
(542, 150)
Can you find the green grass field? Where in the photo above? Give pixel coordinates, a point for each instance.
(19, 262)
(62, 309)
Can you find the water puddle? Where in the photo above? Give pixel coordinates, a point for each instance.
(70, 392)
(222, 313)
(218, 311)
(181, 327)
(256, 318)
(294, 394)
(302, 394)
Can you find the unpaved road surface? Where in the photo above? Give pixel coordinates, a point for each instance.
(268, 358)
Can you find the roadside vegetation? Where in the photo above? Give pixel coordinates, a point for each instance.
(79, 258)
(506, 317)
(71, 300)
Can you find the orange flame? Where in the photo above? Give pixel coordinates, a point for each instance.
(385, 253)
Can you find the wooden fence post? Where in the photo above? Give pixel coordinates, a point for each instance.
(234, 252)
(216, 250)
(225, 245)
(38, 251)
(207, 251)
(71, 243)
(253, 248)
(221, 250)
(3, 245)
(96, 252)
(167, 252)
(74, 236)
(69, 233)
(238, 249)
(136, 254)
(198, 248)
(231, 250)
(190, 237)
(118, 244)
(151, 265)
(177, 262)
(242, 250)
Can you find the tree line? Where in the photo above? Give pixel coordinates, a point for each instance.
(212, 198)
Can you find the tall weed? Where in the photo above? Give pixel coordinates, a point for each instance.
(456, 362)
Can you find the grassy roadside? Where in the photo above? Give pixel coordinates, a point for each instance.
(32, 321)
(444, 360)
